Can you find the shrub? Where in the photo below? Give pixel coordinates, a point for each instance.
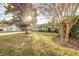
(75, 30)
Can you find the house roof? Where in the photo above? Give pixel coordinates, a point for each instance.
(4, 25)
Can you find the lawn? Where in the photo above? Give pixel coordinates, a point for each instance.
(39, 43)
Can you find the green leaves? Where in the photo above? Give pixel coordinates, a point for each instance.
(74, 32)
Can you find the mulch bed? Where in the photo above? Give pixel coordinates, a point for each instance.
(72, 43)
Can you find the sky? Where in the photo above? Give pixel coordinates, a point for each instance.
(40, 18)
(2, 13)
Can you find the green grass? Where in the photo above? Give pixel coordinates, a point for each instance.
(39, 43)
(57, 49)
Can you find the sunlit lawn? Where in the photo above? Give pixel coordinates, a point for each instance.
(38, 43)
(21, 44)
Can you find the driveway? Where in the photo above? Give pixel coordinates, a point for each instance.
(1, 34)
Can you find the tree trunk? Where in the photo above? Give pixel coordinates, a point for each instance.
(28, 29)
(67, 32)
(64, 33)
(64, 30)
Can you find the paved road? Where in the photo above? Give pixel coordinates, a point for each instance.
(1, 34)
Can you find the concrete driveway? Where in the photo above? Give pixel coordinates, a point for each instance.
(1, 34)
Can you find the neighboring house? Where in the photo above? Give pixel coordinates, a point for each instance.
(45, 27)
(7, 27)
(42, 27)
(13, 27)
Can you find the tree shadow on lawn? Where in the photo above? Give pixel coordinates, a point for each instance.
(19, 43)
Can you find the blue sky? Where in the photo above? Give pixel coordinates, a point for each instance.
(2, 13)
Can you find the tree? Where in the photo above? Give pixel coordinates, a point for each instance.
(63, 18)
(23, 14)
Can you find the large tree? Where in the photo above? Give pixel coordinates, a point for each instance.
(64, 18)
(23, 14)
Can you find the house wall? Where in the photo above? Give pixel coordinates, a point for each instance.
(12, 27)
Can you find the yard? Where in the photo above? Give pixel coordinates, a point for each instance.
(39, 43)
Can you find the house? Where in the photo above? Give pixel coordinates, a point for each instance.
(7, 27)
(45, 27)
(41, 27)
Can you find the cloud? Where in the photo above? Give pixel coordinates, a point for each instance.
(41, 19)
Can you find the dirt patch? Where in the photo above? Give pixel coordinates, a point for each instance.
(72, 43)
